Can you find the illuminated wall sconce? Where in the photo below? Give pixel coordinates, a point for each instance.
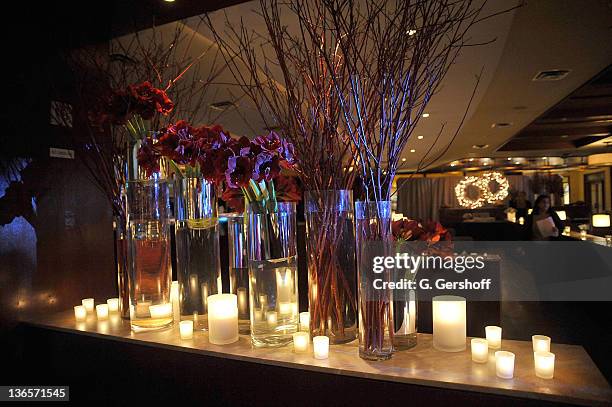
(601, 220)
(562, 215)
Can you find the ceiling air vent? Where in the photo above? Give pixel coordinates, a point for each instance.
(551, 75)
(224, 105)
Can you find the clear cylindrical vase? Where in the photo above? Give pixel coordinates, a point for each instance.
(239, 269)
(332, 270)
(197, 248)
(272, 273)
(149, 254)
(121, 264)
(373, 239)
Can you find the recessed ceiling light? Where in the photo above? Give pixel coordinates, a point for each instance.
(480, 146)
(509, 158)
(403, 159)
(452, 164)
(544, 158)
(420, 137)
(516, 162)
(411, 32)
(471, 159)
(425, 114)
(412, 150)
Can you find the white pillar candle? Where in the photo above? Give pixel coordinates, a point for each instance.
(480, 350)
(161, 310)
(271, 317)
(186, 329)
(321, 347)
(300, 342)
(504, 364)
(494, 336)
(80, 313)
(541, 343)
(88, 303)
(305, 321)
(113, 304)
(102, 311)
(258, 315)
(544, 364)
(222, 319)
(449, 327)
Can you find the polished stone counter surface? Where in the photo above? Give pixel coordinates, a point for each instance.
(577, 380)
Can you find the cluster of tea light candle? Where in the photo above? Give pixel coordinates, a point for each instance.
(544, 360)
(301, 340)
(102, 310)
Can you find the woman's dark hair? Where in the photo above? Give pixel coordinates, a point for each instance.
(536, 205)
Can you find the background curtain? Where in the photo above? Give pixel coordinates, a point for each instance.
(421, 198)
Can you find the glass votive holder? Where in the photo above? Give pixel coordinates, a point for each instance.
(186, 329)
(305, 321)
(480, 350)
(80, 313)
(113, 304)
(300, 342)
(544, 364)
(541, 343)
(88, 303)
(321, 347)
(494, 336)
(102, 311)
(504, 364)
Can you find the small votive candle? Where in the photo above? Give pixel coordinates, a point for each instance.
(321, 347)
(161, 310)
(494, 336)
(102, 311)
(186, 329)
(80, 313)
(222, 319)
(285, 308)
(521, 221)
(113, 304)
(271, 317)
(504, 364)
(544, 364)
(300, 342)
(541, 343)
(88, 303)
(305, 321)
(480, 350)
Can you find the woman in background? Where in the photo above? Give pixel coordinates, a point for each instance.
(521, 204)
(541, 212)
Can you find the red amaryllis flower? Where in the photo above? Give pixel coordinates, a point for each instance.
(406, 229)
(434, 232)
(147, 100)
(271, 143)
(148, 158)
(239, 171)
(266, 167)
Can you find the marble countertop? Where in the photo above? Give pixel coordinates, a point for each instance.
(577, 380)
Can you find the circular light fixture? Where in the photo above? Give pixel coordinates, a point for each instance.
(403, 160)
(413, 150)
(420, 137)
(425, 115)
(466, 185)
(502, 186)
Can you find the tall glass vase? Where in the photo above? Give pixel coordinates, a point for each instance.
(121, 264)
(272, 273)
(239, 269)
(373, 239)
(197, 248)
(332, 272)
(149, 254)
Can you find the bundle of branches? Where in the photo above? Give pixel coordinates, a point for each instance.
(282, 71)
(167, 57)
(396, 54)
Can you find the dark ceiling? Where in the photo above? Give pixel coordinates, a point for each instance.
(579, 120)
